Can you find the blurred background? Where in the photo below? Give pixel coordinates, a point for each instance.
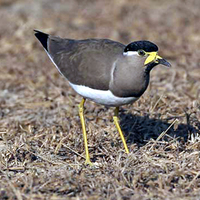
(27, 75)
(40, 131)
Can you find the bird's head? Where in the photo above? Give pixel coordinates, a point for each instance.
(145, 53)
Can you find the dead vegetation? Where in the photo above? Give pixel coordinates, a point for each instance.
(41, 145)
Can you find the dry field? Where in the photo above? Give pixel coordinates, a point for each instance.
(41, 145)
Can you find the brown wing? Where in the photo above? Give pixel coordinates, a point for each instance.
(85, 62)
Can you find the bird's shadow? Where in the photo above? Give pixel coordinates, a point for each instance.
(140, 129)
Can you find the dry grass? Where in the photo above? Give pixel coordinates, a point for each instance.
(41, 145)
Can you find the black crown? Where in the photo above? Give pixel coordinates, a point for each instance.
(144, 45)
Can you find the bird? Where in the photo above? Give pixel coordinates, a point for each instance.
(104, 71)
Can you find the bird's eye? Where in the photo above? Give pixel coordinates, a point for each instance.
(141, 52)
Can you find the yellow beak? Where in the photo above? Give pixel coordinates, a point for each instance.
(152, 56)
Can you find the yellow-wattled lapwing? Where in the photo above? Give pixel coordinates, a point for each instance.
(104, 71)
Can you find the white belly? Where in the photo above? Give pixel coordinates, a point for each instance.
(104, 97)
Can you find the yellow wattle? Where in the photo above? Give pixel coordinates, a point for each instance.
(152, 56)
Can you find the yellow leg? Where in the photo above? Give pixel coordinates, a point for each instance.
(116, 119)
(81, 114)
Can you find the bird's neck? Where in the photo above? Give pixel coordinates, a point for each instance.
(129, 78)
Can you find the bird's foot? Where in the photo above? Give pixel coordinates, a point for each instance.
(88, 162)
(92, 164)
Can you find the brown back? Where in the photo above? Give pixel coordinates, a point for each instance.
(85, 62)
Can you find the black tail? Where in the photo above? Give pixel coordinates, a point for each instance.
(42, 37)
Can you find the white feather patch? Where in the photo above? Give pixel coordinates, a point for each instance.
(130, 53)
(104, 97)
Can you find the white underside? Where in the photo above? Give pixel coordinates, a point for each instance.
(104, 97)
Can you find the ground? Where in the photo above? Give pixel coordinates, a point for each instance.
(41, 145)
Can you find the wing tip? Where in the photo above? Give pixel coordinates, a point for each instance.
(42, 37)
